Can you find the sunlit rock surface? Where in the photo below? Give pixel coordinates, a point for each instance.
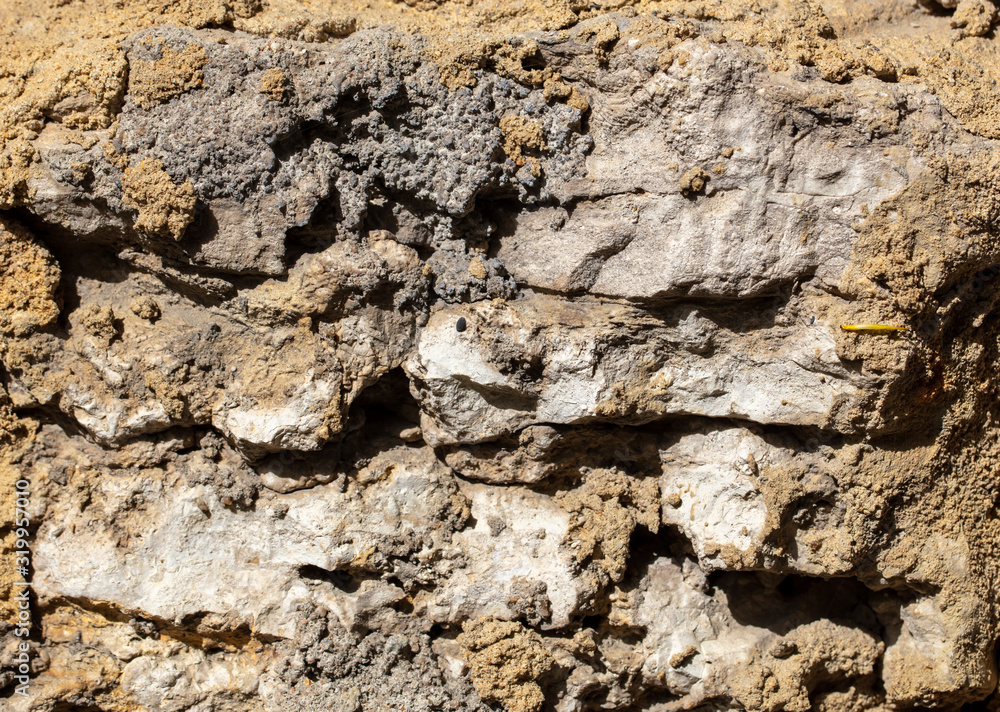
(467, 356)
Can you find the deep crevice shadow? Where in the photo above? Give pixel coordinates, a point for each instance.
(780, 605)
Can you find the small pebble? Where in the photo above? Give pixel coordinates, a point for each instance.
(460, 324)
(782, 649)
(410, 434)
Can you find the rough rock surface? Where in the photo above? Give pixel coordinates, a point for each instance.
(469, 355)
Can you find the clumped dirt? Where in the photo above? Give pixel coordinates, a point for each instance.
(165, 209)
(507, 660)
(29, 280)
(172, 73)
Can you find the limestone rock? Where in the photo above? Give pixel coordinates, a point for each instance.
(163, 559)
(461, 357)
(546, 360)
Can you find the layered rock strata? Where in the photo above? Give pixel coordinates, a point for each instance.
(469, 356)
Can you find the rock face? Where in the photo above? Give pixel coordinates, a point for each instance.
(468, 356)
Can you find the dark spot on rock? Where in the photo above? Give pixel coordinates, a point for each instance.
(460, 324)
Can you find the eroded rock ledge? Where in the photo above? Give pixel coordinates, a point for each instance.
(447, 356)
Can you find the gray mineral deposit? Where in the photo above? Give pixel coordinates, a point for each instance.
(499, 355)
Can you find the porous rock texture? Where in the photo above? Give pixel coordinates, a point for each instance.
(474, 354)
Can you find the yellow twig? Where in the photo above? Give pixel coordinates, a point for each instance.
(874, 328)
